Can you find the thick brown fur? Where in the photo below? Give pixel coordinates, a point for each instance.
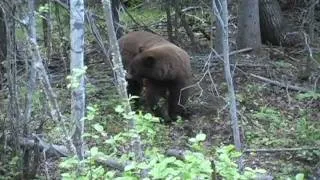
(164, 68)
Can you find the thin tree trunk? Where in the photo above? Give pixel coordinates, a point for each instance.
(47, 29)
(116, 57)
(120, 77)
(218, 41)
(3, 48)
(115, 4)
(305, 71)
(62, 51)
(76, 65)
(31, 88)
(311, 19)
(185, 25)
(174, 3)
(169, 23)
(3, 54)
(223, 19)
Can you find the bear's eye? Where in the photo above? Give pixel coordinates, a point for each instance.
(132, 72)
(149, 62)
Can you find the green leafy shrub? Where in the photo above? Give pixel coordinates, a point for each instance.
(226, 167)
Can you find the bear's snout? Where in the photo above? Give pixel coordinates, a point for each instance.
(129, 76)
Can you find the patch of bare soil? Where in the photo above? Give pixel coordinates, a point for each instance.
(210, 112)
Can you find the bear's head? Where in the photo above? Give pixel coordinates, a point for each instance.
(158, 63)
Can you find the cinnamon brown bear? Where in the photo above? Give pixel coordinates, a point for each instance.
(162, 67)
(130, 45)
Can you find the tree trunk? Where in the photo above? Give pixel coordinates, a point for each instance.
(169, 23)
(249, 25)
(219, 30)
(270, 21)
(47, 29)
(222, 18)
(175, 23)
(3, 47)
(185, 25)
(76, 65)
(115, 4)
(32, 75)
(62, 50)
(120, 77)
(305, 70)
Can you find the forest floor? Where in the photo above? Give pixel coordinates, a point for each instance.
(279, 116)
(281, 123)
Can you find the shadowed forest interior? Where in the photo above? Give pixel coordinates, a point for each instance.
(160, 89)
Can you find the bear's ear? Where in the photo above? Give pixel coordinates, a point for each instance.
(141, 49)
(149, 62)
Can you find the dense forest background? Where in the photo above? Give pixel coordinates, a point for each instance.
(254, 103)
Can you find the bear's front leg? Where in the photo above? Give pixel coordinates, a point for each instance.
(177, 100)
(134, 88)
(153, 92)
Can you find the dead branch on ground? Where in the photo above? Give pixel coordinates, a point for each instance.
(281, 150)
(283, 85)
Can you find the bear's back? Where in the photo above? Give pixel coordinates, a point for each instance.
(131, 44)
(133, 41)
(172, 56)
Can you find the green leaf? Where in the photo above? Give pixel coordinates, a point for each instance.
(94, 151)
(110, 174)
(44, 8)
(110, 141)
(169, 160)
(67, 176)
(143, 165)
(119, 109)
(69, 163)
(300, 176)
(148, 116)
(201, 137)
(193, 140)
(95, 137)
(130, 166)
(98, 127)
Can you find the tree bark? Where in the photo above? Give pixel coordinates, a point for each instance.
(249, 25)
(47, 29)
(120, 77)
(270, 21)
(3, 47)
(218, 41)
(185, 25)
(14, 108)
(31, 89)
(115, 4)
(222, 18)
(174, 3)
(169, 23)
(62, 50)
(76, 65)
